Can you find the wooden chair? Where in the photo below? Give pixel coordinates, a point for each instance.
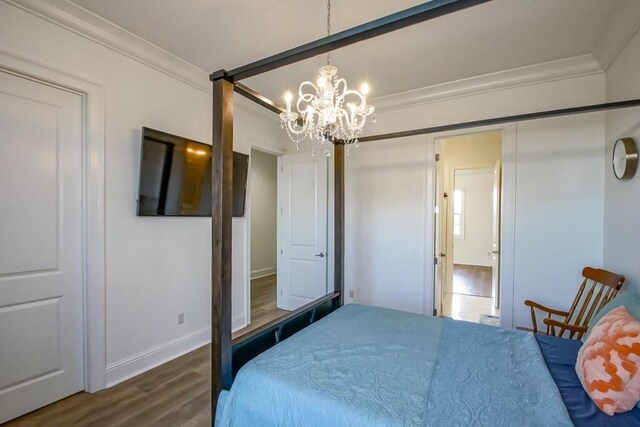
(603, 287)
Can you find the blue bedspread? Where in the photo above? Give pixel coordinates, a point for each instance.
(367, 366)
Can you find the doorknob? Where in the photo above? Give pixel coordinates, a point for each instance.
(321, 254)
(495, 252)
(442, 254)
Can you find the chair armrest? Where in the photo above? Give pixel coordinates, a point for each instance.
(573, 329)
(534, 304)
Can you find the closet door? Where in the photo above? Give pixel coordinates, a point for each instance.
(41, 327)
(302, 229)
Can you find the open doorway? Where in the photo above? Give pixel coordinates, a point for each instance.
(263, 246)
(468, 226)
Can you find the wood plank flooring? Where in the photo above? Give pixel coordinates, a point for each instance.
(471, 296)
(175, 394)
(263, 304)
(472, 280)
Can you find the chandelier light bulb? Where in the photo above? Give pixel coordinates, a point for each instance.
(364, 88)
(288, 97)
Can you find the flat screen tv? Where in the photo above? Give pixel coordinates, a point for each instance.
(175, 177)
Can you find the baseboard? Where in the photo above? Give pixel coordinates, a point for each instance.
(131, 366)
(238, 322)
(263, 272)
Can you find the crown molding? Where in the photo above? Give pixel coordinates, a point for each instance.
(547, 71)
(74, 18)
(622, 27)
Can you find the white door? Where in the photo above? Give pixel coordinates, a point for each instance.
(41, 329)
(439, 232)
(495, 250)
(302, 229)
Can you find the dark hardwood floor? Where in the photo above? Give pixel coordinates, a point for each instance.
(173, 395)
(472, 280)
(176, 394)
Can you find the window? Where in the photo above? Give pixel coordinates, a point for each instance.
(458, 214)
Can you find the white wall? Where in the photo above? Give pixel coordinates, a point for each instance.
(622, 198)
(264, 184)
(559, 208)
(155, 267)
(557, 161)
(474, 247)
(385, 212)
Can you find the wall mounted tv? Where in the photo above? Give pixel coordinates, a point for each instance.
(175, 177)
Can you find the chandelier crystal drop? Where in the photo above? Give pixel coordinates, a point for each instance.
(327, 111)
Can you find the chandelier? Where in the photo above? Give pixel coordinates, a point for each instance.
(327, 111)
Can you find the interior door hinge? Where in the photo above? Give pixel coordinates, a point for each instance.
(437, 157)
(435, 312)
(435, 261)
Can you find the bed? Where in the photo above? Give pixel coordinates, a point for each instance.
(372, 366)
(359, 365)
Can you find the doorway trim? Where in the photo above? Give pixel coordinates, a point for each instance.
(507, 223)
(277, 152)
(93, 204)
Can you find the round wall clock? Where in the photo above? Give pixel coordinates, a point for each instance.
(625, 158)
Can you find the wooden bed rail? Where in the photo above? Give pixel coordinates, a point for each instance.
(251, 344)
(420, 13)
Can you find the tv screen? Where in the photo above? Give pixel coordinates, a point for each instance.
(175, 177)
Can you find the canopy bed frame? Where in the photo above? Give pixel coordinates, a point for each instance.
(228, 356)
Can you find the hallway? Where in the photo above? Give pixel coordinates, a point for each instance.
(471, 294)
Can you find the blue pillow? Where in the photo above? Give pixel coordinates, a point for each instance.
(627, 297)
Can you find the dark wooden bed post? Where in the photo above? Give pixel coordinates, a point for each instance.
(221, 213)
(338, 162)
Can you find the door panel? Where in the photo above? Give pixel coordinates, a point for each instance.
(302, 229)
(304, 203)
(41, 333)
(303, 278)
(42, 347)
(30, 221)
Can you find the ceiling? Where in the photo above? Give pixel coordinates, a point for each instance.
(492, 37)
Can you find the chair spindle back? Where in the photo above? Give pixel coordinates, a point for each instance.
(602, 287)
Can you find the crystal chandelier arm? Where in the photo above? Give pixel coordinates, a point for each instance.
(343, 82)
(295, 129)
(346, 93)
(315, 91)
(305, 99)
(355, 121)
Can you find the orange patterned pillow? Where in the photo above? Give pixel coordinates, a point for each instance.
(609, 362)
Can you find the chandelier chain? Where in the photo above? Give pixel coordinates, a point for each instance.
(329, 28)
